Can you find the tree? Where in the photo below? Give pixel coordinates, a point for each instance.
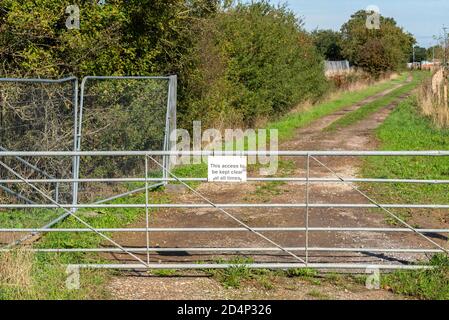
(255, 62)
(121, 37)
(376, 50)
(328, 43)
(436, 52)
(236, 61)
(420, 54)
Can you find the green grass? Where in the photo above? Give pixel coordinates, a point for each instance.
(164, 272)
(429, 284)
(407, 129)
(374, 106)
(236, 276)
(48, 276)
(30, 218)
(302, 273)
(286, 126)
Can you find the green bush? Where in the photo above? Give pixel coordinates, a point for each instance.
(256, 62)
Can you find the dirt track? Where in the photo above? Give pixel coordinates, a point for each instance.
(355, 137)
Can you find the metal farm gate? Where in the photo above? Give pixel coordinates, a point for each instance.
(282, 242)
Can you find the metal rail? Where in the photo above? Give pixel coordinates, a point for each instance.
(224, 205)
(236, 250)
(284, 266)
(333, 153)
(261, 229)
(250, 179)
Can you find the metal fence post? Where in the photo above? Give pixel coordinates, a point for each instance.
(75, 159)
(307, 209)
(170, 123)
(147, 217)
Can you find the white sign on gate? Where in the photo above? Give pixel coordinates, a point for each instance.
(227, 169)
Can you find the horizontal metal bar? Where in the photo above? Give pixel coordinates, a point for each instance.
(251, 179)
(38, 80)
(126, 78)
(267, 229)
(240, 249)
(222, 153)
(323, 266)
(225, 205)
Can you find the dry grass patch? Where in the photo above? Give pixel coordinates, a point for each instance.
(16, 268)
(433, 99)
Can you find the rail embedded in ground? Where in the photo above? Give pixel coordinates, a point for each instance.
(299, 254)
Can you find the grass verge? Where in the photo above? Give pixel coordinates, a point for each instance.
(429, 284)
(374, 106)
(46, 278)
(407, 129)
(286, 126)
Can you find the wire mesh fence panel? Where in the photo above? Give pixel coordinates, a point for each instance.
(36, 115)
(122, 113)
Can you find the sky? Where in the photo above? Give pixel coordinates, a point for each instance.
(423, 18)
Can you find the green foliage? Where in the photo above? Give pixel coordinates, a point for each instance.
(164, 272)
(376, 50)
(328, 44)
(302, 272)
(118, 38)
(235, 276)
(236, 63)
(436, 52)
(256, 62)
(420, 54)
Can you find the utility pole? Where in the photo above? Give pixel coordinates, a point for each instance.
(413, 59)
(414, 55)
(445, 45)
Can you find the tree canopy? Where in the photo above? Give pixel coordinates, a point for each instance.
(237, 62)
(420, 54)
(376, 50)
(328, 44)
